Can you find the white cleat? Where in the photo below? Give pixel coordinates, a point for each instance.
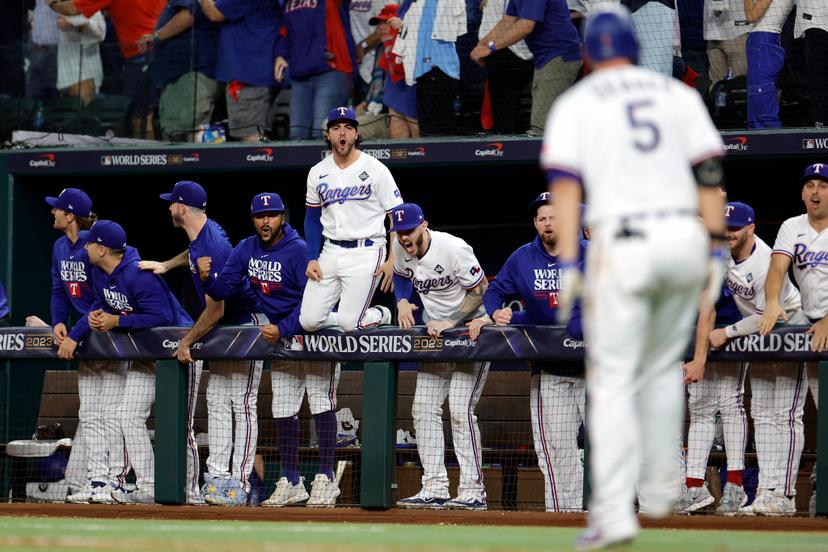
(286, 494)
(137, 496)
(694, 498)
(86, 493)
(323, 492)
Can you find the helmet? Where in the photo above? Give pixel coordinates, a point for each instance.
(609, 33)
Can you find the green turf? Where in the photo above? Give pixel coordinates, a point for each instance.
(28, 534)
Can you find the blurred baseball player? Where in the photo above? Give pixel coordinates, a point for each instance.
(642, 147)
(714, 387)
(4, 308)
(97, 449)
(779, 432)
(129, 298)
(233, 385)
(558, 389)
(448, 277)
(802, 242)
(349, 193)
(272, 263)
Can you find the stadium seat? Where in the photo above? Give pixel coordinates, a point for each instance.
(112, 112)
(15, 114)
(727, 102)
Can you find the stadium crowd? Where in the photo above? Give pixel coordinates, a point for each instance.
(209, 70)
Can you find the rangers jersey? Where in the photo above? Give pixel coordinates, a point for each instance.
(746, 280)
(808, 250)
(441, 276)
(354, 200)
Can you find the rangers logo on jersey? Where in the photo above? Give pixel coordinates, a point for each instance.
(804, 258)
(330, 195)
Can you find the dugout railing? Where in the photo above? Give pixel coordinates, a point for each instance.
(376, 351)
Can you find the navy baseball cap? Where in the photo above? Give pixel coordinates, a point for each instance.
(187, 192)
(265, 202)
(817, 170)
(107, 233)
(738, 214)
(72, 200)
(543, 199)
(342, 115)
(406, 216)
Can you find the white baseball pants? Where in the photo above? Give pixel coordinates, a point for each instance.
(291, 379)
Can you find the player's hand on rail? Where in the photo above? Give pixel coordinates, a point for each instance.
(819, 335)
(773, 313)
(60, 332)
(502, 317)
(437, 327)
(405, 314)
(66, 351)
(718, 338)
(477, 324)
(271, 332)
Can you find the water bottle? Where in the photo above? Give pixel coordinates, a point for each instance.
(721, 96)
(37, 120)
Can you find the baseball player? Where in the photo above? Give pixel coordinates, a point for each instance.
(558, 390)
(714, 387)
(98, 449)
(648, 157)
(802, 243)
(272, 263)
(129, 298)
(233, 385)
(349, 193)
(448, 277)
(779, 431)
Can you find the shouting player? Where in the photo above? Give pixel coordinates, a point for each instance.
(272, 263)
(348, 195)
(446, 274)
(129, 298)
(647, 179)
(233, 385)
(558, 391)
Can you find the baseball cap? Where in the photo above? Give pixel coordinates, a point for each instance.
(187, 192)
(265, 202)
(106, 233)
(817, 170)
(738, 214)
(406, 216)
(342, 115)
(72, 200)
(389, 11)
(542, 199)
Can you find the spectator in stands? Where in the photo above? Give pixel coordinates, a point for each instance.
(725, 30)
(366, 38)
(691, 34)
(426, 45)
(13, 28)
(41, 77)
(509, 71)
(400, 98)
(812, 23)
(247, 47)
(80, 71)
(131, 20)
(317, 49)
(553, 40)
(184, 68)
(655, 26)
(765, 57)
(4, 308)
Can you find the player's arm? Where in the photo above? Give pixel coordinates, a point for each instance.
(508, 31)
(756, 9)
(60, 306)
(210, 316)
(568, 193)
(709, 177)
(386, 269)
(211, 11)
(773, 289)
(694, 370)
(499, 289)
(233, 276)
(182, 259)
(313, 237)
(180, 22)
(471, 302)
(64, 7)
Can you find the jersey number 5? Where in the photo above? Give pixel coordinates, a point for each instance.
(647, 136)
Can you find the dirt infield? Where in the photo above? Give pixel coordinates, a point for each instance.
(357, 515)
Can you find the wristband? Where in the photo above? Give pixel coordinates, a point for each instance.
(363, 45)
(492, 46)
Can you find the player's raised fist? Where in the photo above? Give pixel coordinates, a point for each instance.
(204, 266)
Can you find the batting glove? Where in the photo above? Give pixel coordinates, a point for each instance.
(571, 288)
(716, 272)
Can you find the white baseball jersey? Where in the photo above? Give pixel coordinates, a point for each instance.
(724, 19)
(746, 281)
(669, 130)
(808, 250)
(354, 201)
(442, 276)
(810, 14)
(775, 17)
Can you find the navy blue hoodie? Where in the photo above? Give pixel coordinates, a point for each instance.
(71, 280)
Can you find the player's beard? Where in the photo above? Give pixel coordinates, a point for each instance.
(344, 150)
(550, 239)
(177, 220)
(275, 234)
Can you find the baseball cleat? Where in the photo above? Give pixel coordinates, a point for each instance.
(230, 493)
(386, 315)
(138, 496)
(212, 486)
(87, 492)
(595, 539)
(774, 504)
(466, 502)
(733, 498)
(196, 500)
(106, 495)
(423, 501)
(694, 498)
(323, 492)
(286, 494)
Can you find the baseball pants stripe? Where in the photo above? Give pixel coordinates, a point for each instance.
(248, 426)
(472, 419)
(374, 282)
(547, 457)
(792, 465)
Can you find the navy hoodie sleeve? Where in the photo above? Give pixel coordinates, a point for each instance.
(233, 276)
(60, 305)
(501, 287)
(150, 300)
(289, 325)
(81, 328)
